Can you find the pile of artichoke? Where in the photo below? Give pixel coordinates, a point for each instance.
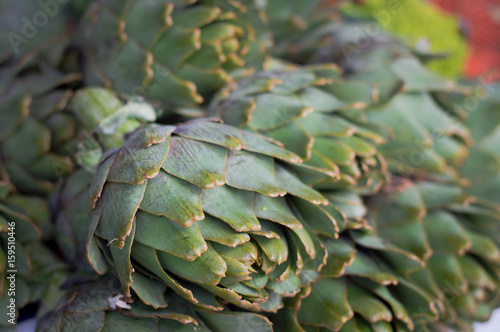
(222, 165)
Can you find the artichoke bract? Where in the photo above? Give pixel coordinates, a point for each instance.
(422, 135)
(304, 108)
(361, 286)
(104, 119)
(97, 306)
(174, 52)
(482, 168)
(72, 202)
(208, 211)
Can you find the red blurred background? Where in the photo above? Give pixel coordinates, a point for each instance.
(481, 22)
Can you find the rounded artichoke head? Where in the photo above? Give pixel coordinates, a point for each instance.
(425, 270)
(174, 52)
(454, 235)
(308, 110)
(210, 212)
(422, 134)
(98, 305)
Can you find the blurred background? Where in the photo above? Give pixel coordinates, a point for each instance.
(466, 33)
(480, 20)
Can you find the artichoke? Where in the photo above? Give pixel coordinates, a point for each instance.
(423, 137)
(457, 237)
(44, 124)
(200, 208)
(397, 89)
(172, 52)
(303, 108)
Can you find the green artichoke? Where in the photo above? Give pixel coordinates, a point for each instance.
(174, 52)
(422, 136)
(304, 109)
(35, 126)
(457, 237)
(200, 208)
(422, 133)
(43, 124)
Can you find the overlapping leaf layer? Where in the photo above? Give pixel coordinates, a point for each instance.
(173, 52)
(306, 109)
(210, 211)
